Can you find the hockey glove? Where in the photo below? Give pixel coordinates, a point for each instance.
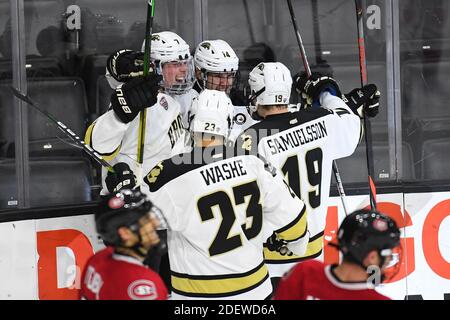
(310, 88)
(275, 244)
(122, 178)
(365, 99)
(124, 65)
(134, 96)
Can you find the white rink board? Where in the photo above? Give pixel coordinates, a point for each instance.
(18, 260)
(422, 280)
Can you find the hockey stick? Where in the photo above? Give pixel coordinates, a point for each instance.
(337, 176)
(143, 114)
(366, 122)
(61, 126)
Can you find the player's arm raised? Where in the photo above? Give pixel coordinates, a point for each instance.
(323, 91)
(128, 99)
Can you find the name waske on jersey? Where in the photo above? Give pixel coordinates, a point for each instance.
(223, 172)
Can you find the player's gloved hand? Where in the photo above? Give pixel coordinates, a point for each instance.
(365, 99)
(310, 88)
(275, 244)
(134, 96)
(122, 178)
(124, 65)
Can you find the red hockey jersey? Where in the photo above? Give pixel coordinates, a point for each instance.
(312, 280)
(112, 276)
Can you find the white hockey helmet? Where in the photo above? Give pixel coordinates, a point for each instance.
(168, 47)
(216, 56)
(212, 113)
(270, 84)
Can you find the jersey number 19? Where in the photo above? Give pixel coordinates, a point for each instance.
(313, 161)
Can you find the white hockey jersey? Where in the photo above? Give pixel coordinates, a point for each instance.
(117, 141)
(185, 101)
(303, 145)
(217, 212)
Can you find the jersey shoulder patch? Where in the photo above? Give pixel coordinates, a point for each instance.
(170, 169)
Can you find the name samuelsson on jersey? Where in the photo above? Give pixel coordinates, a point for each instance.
(224, 171)
(294, 138)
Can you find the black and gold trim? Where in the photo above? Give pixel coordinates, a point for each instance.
(313, 250)
(218, 285)
(294, 230)
(171, 169)
(88, 141)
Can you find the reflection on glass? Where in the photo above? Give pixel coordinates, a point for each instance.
(262, 31)
(425, 72)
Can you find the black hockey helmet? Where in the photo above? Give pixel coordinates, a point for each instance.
(365, 230)
(121, 209)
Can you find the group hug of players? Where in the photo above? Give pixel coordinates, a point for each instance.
(237, 194)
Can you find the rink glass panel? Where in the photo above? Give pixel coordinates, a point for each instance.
(66, 45)
(425, 73)
(262, 31)
(8, 174)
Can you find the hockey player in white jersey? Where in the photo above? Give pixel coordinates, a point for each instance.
(221, 209)
(216, 68)
(302, 144)
(115, 134)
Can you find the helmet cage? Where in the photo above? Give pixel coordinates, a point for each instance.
(181, 87)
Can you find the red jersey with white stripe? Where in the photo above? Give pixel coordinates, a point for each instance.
(112, 276)
(312, 280)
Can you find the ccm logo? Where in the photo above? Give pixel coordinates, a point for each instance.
(122, 101)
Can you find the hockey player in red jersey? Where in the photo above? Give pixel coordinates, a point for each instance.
(126, 221)
(367, 240)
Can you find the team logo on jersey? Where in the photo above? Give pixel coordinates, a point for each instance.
(380, 225)
(163, 102)
(247, 142)
(156, 171)
(240, 119)
(142, 290)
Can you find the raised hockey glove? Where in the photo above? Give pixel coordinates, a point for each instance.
(275, 244)
(310, 88)
(365, 99)
(122, 178)
(125, 65)
(134, 96)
